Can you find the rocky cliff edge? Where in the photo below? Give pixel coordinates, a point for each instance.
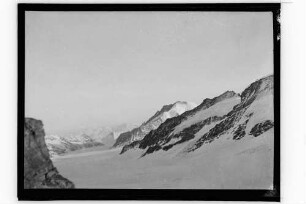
(39, 171)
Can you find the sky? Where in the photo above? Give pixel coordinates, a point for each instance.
(95, 69)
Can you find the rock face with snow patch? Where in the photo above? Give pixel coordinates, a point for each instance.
(167, 111)
(39, 171)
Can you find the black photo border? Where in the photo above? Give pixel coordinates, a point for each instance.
(148, 194)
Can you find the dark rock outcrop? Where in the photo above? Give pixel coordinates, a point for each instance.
(39, 171)
(240, 131)
(189, 132)
(133, 145)
(260, 128)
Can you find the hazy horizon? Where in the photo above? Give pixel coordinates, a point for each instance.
(91, 69)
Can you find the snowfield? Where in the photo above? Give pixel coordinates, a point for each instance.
(230, 165)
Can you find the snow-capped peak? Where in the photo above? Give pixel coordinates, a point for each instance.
(171, 110)
(166, 112)
(176, 109)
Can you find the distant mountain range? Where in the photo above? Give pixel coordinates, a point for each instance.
(84, 138)
(59, 145)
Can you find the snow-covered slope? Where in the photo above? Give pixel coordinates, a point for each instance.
(229, 115)
(251, 117)
(167, 111)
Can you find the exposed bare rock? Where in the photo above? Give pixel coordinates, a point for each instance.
(260, 128)
(39, 171)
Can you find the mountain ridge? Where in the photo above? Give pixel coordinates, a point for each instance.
(188, 125)
(167, 111)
